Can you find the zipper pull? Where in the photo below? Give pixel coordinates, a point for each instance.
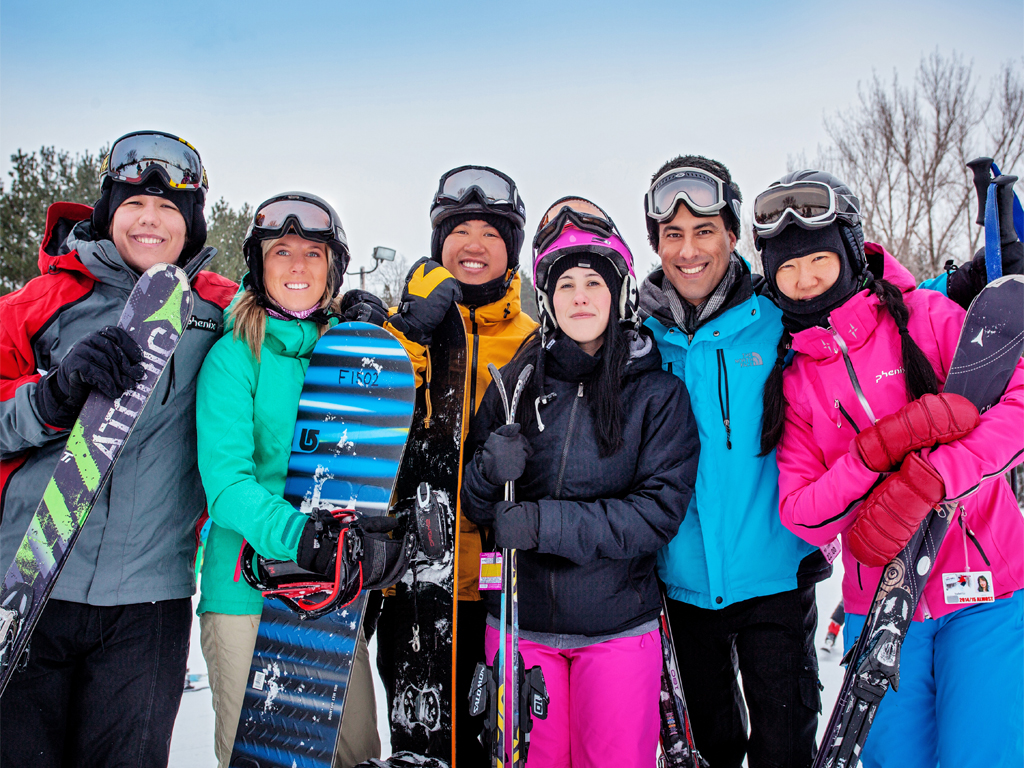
(579, 392)
(728, 435)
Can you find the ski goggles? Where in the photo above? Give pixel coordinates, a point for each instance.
(572, 211)
(703, 193)
(811, 204)
(493, 188)
(311, 220)
(135, 156)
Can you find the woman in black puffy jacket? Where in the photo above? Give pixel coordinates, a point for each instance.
(604, 466)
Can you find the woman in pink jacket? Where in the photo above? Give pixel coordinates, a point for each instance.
(869, 346)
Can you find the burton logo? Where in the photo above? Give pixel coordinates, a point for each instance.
(308, 440)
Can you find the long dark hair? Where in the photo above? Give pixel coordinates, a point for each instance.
(603, 393)
(918, 373)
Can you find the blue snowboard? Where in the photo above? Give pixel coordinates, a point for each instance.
(350, 433)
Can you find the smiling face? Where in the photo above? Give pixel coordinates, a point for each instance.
(694, 253)
(808, 276)
(582, 304)
(148, 230)
(295, 272)
(475, 253)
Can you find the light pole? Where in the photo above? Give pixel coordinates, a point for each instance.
(380, 253)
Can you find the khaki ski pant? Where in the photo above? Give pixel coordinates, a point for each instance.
(228, 642)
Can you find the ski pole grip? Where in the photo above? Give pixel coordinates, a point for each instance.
(1004, 198)
(982, 168)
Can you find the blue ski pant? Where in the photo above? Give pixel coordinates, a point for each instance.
(960, 701)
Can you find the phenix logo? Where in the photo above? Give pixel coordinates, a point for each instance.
(749, 359)
(884, 374)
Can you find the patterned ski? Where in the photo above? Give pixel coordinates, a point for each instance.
(350, 434)
(158, 308)
(420, 648)
(677, 747)
(990, 345)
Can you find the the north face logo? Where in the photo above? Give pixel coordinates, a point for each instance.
(749, 359)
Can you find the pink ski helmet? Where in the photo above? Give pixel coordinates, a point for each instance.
(574, 226)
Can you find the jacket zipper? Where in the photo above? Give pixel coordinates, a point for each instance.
(723, 405)
(973, 488)
(565, 445)
(170, 382)
(847, 416)
(476, 355)
(853, 375)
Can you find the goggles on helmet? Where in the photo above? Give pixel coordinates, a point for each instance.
(810, 204)
(306, 217)
(135, 156)
(704, 194)
(494, 190)
(572, 211)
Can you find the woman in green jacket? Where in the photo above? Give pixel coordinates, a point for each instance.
(248, 397)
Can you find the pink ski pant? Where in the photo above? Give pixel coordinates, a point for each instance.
(604, 702)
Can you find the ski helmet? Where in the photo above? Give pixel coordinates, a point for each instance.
(477, 189)
(574, 227)
(703, 185)
(300, 213)
(811, 200)
(159, 164)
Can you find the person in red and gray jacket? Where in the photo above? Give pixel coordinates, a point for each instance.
(105, 667)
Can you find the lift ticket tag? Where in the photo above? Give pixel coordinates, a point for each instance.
(490, 570)
(832, 549)
(968, 587)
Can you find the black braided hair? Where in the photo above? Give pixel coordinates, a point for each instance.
(773, 402)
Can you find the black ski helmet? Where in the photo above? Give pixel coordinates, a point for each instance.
(290, 220)
(479, 189)
(159, 164)
(847, 214)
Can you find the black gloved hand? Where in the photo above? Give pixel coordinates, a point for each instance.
(503, 456)
(108, 360)
(516, 524)
(363, 306)
(967, 281)
(430, 290)
(318, 544)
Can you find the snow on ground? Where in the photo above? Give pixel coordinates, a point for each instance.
(192, 742)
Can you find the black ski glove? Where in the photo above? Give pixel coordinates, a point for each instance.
(318, 544)
(503, 456)
(430, 290)
(363, 306)
(516, 524)
(108, 360)
(966, 282)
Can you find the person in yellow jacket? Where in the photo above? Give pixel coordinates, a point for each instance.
(477, 218)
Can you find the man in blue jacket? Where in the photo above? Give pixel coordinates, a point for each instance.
(740, 586)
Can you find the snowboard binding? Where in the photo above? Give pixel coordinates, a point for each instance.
(483, 700)
(366, 557)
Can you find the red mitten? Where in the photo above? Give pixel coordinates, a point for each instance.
(890, 516)
(928, 421)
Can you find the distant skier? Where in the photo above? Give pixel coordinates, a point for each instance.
(867, 447)
(604, 465)
(106, 662)
(835, 626)
(297, 253)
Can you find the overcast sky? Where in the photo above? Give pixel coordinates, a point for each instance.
(366, 104)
